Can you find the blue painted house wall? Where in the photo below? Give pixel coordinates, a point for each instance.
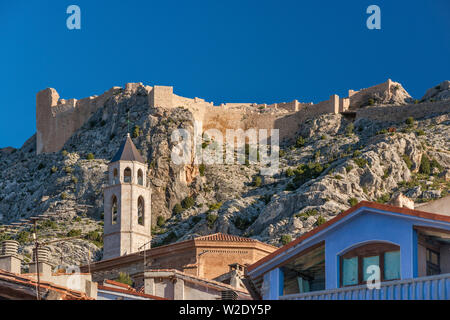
(363, 226)
(274, 284)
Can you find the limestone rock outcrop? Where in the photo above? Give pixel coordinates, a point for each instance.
(338, 161)
(439, 92)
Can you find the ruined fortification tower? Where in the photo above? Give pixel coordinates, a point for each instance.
(127, 203)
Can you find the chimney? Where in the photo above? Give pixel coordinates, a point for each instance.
(9, 261)
(44, 268)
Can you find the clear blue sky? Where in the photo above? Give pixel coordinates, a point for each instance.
(223, 51)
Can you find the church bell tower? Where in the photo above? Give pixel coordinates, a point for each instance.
(127, 203)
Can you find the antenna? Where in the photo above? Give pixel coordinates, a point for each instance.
(128, 122)
(144, 252)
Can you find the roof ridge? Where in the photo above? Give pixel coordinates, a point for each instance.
(128, 152)
(219, 236)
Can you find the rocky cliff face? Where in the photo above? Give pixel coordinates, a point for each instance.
(333, 164)
(439, 92)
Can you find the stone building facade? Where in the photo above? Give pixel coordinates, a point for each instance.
(206, 257)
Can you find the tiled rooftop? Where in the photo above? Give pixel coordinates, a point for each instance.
(224, 237)
(24, 281)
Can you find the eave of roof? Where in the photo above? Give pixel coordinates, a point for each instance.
(366, 204)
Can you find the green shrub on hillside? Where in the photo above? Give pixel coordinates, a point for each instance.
(425, 166)
(320, 220)
(409, 121)
(285, 239)
(160, 221)
(289, 172)
(188, 202)
(361, 162)
(177, 209)
(211, 218)
(124, 278)
(74, 233)
(408, 161)
(349, 129)
(353, 201)
(215, 206)
(201, 169)
(300, 142)
(257, 181)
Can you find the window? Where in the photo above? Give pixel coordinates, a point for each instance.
(115, 176)
(306, 272)
(350, 271)
(127, 175)
(354, 265)
(141, 211)
(114, 210)
(367, 262)
(433, 265)
(391, 265)
(140, 177)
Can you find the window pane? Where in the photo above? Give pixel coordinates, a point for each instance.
(350, 271)
(303, 285)
(434, 258)
(392, 265)
(367, 262)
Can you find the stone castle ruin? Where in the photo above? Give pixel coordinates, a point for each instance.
(57, 119)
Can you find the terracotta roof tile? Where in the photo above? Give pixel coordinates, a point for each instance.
(23, 280)
(224, 237)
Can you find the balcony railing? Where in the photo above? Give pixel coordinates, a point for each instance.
(424, 288)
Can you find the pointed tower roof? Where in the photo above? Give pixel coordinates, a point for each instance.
(128, 152)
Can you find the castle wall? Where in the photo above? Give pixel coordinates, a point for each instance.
(57, 119)
(292, 106)
(223, 118)
(344, 104)
(401, 113)
(359, 98)
(161, 96)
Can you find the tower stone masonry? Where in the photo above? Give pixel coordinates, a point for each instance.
(127, 204)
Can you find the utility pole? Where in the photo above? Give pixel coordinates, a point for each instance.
(145, 253)
(36, 243)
